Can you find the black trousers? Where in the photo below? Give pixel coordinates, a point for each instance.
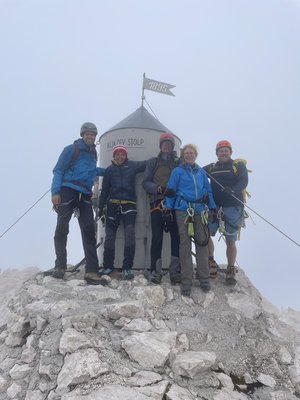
(157, 227)
(72, 199)
(114, 215)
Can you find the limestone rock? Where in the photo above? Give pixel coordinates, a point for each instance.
(19, 371)
(80, 367)
(143, 378)
(247, 306)
(150, 349)
(138, 325)
(193, 363)
(266, 380)
(72, 340)
(178, 393)
(128, 309)
(227, 394)
(155, 392)
(152, 295)
(13, 391)
(109, 392)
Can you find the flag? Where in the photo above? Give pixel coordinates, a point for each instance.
(157, 86)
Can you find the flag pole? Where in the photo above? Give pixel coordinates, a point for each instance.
(143, 91)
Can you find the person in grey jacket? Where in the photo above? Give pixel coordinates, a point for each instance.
(156, 176)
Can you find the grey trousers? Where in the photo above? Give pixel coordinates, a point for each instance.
(185, 250)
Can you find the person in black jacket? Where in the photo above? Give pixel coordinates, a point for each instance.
(227, 182)
(156, 176)
(118, 195)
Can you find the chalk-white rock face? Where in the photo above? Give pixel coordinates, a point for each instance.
(150, 349)
(13, 391)
(109, 392)
(295, 368)
(80, 367)
(246, 305)
(193, 363)
(100, 293)
(178, 393)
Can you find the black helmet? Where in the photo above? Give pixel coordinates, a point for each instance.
(88, 127)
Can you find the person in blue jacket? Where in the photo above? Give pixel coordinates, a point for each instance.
(119, 197)
(192, 200)
(73, 179)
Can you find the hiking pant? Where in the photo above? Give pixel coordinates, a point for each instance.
(71, 199)
(185, 249)
(157, 227)
(115, 214)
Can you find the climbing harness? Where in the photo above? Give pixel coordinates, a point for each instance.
(189, 222)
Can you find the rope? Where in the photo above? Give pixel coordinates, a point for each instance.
(151, 109)
(256, 213)
(24, 213)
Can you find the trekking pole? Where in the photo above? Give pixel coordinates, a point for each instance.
(24, 214)
(256, 213)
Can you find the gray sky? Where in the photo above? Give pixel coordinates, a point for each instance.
(235, 64)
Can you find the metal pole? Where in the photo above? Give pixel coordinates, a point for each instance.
(143, 95)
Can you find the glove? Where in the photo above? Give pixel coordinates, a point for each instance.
(169, 193)
(228, 191)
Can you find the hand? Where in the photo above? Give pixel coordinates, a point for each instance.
(56, 199)
(213, 215)
(169, 192)
(228, 191)
(161, 189)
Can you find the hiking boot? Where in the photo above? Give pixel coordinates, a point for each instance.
(156, 278)
(205, 286)
(230, 275)
(128, 274)
(186, 290)
(175, 279)
(213, 268)
(93, 278)
(58, 272)
(106, 271)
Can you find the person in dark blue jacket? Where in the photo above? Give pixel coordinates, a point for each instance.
(193, 198)
(228, 181)
(73, 179)
(119, 197)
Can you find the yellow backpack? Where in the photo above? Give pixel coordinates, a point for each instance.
(246, 194)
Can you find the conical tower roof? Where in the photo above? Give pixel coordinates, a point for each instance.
(140, 118)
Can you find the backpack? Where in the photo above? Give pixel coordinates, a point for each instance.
(236, 162)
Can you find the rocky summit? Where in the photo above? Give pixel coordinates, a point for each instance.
(131, 340)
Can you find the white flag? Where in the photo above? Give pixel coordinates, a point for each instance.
(157, 86)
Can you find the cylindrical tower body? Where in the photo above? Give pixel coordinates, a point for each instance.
(140, 133)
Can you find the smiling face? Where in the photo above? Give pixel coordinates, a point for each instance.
(189, 155)
(224, 154)
(166, 147)
(89, 138)
(119, 157)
